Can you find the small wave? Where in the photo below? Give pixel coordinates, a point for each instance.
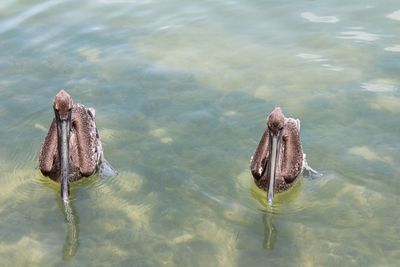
(25, 156)
(358, 36)
(311, 57)
(319, 19)
(395, 48)
(319, 58)
(295, 200)
(231, 208)
(21, 185)
(24, 153)
(142, 2)
(124, 183)
(379, 86)
(331, 67)
(101, 187)
(356, 28)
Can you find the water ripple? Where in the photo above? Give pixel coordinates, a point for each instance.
(379, 86)
(21, 185)
(358, 36)
(319, 19)
(319, 58)
(123, 183)
(311, 57)
(285, 203)
(331, 67)
(23, 152)
(395, 48)
(141, 2)
(17, 20)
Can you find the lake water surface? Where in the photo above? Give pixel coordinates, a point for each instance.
(181, 91)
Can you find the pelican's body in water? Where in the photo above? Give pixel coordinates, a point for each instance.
(72, 148)
(279, 159)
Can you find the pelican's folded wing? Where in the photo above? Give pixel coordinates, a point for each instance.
(83, 141)
(259, 159)
(291, 163)
(48, 152)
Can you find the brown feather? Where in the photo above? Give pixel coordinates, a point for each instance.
(48, 151)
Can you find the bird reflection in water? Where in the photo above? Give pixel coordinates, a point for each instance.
(71, 243)
(270, 232)
(272, 213)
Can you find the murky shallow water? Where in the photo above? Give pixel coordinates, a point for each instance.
(181, 91)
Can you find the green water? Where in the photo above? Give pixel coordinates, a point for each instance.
(181, 91)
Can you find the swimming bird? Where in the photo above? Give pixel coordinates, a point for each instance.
(279, 160)
(72, 148)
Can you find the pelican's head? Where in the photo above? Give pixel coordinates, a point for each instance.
(62, 104)
(275, 122)
(63, 111)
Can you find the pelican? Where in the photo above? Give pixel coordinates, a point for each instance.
(72, 148)
(279, 160)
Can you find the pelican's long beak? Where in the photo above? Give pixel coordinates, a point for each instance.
(63, 129)
(274, 158)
